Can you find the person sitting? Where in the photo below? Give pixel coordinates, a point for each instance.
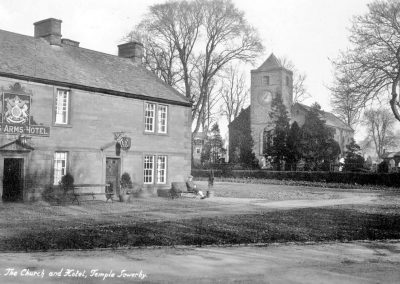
(210, 179)
(191, 186)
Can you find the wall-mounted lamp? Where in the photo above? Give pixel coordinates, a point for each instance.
(24, 139)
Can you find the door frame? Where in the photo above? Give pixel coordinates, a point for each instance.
(119, 170)
(23, 171)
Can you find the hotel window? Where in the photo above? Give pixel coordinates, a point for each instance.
(60, 166)
(62, 107)
(161, 169)
(155, 165)
(149, 115)
(162, 113)
(148, 169)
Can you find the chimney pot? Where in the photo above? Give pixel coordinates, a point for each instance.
(132, 50)
(50, 30)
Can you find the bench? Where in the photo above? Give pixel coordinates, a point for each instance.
(81, 190)
(179, 189)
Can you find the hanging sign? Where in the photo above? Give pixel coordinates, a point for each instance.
(125, 143)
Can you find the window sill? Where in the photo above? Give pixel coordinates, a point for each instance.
(62, 125)
(155, 133)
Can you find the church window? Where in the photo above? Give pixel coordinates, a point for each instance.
(267, 140)
(265, 80)
(287, 81)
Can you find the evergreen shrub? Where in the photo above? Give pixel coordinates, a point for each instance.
(382, 179)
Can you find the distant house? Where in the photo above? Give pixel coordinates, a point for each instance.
(69, 109)
(198, 144)
(392, 159)
(270, 79)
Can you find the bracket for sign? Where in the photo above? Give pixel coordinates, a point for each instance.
(118, 135)
(24, 139)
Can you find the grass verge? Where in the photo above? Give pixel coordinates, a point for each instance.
(300, 225)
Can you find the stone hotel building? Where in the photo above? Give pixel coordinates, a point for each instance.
(65, 108)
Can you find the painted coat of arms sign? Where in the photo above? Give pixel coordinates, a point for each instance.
(17, 108)
(16, 116)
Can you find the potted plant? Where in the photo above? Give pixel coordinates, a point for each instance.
(67, 182)
(126, 186)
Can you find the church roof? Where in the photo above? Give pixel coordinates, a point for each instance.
(330, 118)
(388, 155)
(271, 63)
(34, 59)
(243, 115)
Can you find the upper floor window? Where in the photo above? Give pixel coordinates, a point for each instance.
(62, 107)
(155, 118)
(162, 118)
(149, 115)
(265, 80)
(287, 81)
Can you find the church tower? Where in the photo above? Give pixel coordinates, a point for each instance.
(268, 81)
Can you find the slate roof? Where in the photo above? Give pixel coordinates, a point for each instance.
(34, 59)
(389, 155)
(330, 118)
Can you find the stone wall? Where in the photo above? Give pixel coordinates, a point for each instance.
(89, 137)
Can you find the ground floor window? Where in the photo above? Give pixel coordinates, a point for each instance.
(148, 169)
(161, 169)
(60, 166)
(155, 165)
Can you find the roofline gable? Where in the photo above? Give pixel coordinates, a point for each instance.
(308, 108)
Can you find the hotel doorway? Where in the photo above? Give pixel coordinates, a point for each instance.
(113, 168)
(13, 182)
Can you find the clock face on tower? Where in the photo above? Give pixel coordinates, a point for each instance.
(265, 98)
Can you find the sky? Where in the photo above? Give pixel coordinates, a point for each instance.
(308, 32)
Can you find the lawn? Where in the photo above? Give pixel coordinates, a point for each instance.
(186, 221)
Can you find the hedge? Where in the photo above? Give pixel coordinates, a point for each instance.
(385, 179)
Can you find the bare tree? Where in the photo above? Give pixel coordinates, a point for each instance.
(234, 92)
(205, 35)
(160, 57)
(347, 105)
(174, 27)
(380, 123)
(300, 92)
(372, 65)
(210, 116)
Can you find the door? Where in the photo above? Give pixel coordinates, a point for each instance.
(13, 179)
(113, 174)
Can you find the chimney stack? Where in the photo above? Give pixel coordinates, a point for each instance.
(50, 30)
(132, 50)
(70, 42)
